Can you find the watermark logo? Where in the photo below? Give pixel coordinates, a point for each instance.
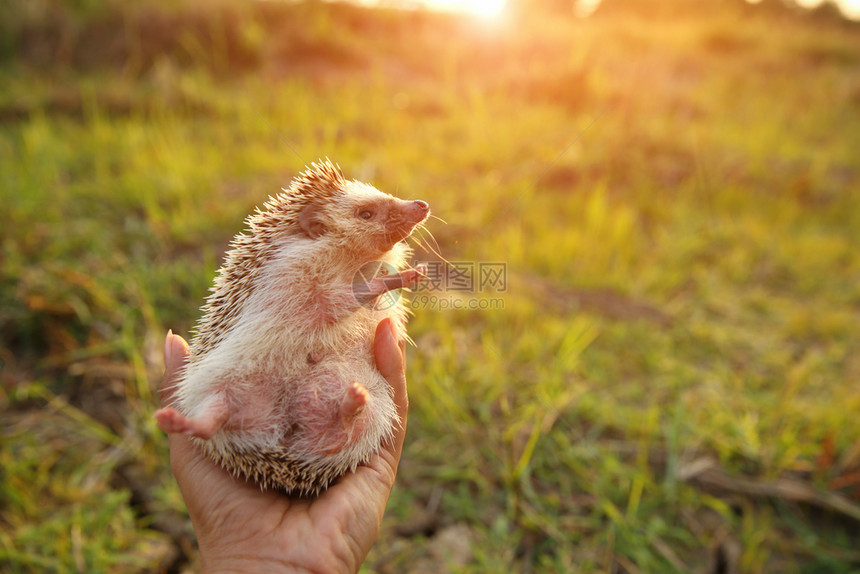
(436, 285)
(376, 286)
(464, 277)
(461, 285)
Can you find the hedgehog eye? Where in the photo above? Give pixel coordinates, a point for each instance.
(366, 214)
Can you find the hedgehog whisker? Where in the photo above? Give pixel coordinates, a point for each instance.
(420, 240)
(436, 243)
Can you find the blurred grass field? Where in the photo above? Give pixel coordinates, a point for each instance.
(673, 382)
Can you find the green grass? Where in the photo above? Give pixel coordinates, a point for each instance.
(675, 200)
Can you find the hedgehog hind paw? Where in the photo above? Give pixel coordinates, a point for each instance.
(172, 421)
(354, 400)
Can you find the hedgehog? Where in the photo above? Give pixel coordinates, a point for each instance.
(280, 386)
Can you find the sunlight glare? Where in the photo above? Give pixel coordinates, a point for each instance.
(483, 8)
(810, 4)
(850, 9)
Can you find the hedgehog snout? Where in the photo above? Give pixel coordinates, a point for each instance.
(416, 211)
(410, 214)
(401, 219)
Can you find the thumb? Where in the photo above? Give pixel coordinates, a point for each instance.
(389, 356)
(175, 357)
(391, 364)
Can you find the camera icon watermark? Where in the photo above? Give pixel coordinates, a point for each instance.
(376, 286)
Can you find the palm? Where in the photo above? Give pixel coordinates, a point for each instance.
(240, 527)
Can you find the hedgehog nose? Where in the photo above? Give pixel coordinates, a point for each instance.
(422, 205)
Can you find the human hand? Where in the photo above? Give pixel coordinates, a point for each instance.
(241, 528)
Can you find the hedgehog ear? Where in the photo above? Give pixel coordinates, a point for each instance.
(311, 221)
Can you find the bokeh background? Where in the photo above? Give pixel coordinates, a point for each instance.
(668, 380)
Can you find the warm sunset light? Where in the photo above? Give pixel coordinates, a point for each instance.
(608, 248)
(484, 8)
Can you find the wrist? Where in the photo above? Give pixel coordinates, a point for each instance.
(248, 565)
(253, 561)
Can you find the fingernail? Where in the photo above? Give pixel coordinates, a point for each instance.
(168, 348)
(391, 328)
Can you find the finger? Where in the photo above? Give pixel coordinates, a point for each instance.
(200, 479)
(390, 362)
(175, 356)
(184, 458)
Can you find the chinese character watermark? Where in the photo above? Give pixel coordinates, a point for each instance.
(460, 285)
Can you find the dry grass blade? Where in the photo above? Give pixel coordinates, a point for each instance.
(706, 474)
